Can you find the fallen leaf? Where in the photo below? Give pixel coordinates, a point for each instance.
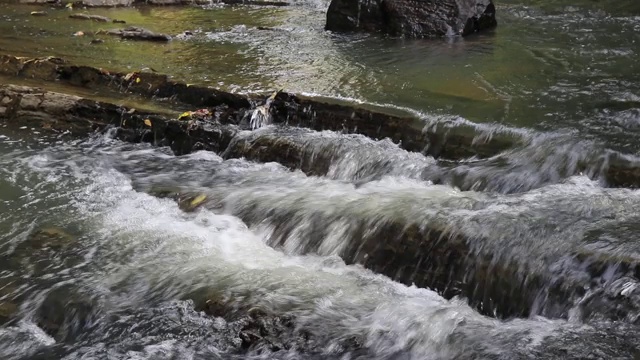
(147, 122)
(137, 80)
(78, 33)
(69, 6)
(198, 200)
(184, 115)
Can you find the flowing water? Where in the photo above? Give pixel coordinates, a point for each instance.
(96, 265)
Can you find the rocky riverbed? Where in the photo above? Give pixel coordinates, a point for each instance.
(148, 215)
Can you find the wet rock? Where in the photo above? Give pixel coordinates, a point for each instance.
(49, 237)
(413, 19)
(45, 249)
(8, 305)
(453, 142)
(11, 65)
(137, 33)
(8, 310)
(65, 314)
(44, 69)
(447, 141)
(96, 41)
(116, 21)
(90, 17)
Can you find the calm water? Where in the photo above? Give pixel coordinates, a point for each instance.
(122, 274)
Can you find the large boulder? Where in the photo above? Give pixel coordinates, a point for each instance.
(412, 18)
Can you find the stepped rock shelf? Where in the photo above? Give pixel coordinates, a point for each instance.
(498, 275)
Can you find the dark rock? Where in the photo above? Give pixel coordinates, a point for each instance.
(137, 33)
(442, 140)
(8, 305)
(8, 310)
(96, 41)
(66, 313)
(116, 21)
(412, 18)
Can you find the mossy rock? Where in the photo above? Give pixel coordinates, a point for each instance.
(8, 311)
(52, 237)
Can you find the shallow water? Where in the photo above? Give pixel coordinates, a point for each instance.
(96, 265)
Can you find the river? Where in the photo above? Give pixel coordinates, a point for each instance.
(96, 263)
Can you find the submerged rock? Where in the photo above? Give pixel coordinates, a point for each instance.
(7, 311)
(137, 33)
(8, 306)
(65, 313)
(412, 19)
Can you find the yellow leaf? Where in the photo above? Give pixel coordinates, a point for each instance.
(147, 122)
(186, 114)
(198, 200)
(137, 80)
(69, 6)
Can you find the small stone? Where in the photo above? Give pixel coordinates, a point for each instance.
(7, 311)
(96, 41)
